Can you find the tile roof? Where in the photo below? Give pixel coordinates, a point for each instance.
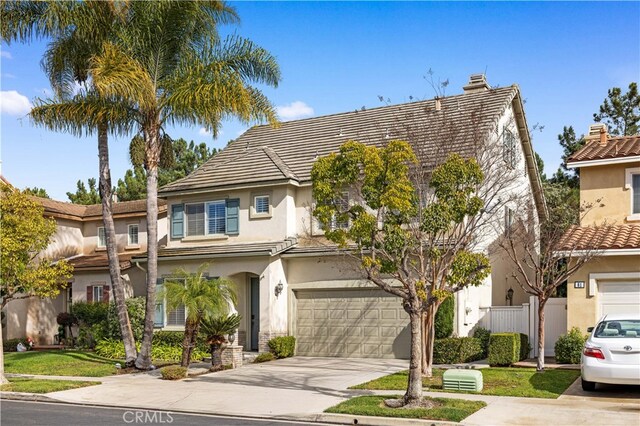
(268, 248)
(602, 238)
(99, 261)
(93, 211)
(267, 154)
(616, 147)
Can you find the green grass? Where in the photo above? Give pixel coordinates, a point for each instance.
(59, 363)
(523, 382)
(447, 409)
(22, 384)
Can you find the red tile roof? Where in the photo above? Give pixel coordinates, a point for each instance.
(99, 261)
(93, 211)
(616, 147)
(610, 237)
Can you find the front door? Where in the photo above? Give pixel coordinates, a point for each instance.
(255, 312)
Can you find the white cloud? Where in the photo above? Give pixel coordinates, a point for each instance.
(294, 110)
(204, 132)
(5, 54)
(13, 103)
(7, 75)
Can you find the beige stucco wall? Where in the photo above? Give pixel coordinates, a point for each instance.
(34, 317)
(607, 184)
(90, 231)
(67, 240)
(582, 309)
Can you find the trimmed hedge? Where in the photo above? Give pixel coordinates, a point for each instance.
(443, 323)
(569, 347)
(525, 348)
(114, 349)
(175, 338)
(264, 357)
(457, 350)
(11, 345)
(283, 346)
(504, 349)
(173, 372)
(484, 335)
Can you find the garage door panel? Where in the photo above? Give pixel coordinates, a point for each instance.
(619, 298)
(351, 323)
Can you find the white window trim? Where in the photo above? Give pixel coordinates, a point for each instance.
(98, 245)
(253, 214)
(206, 235)
(131, 245)
(628, 186)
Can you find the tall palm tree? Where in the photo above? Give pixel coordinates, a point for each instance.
(174, 69)
(78, 30)
(201, 297)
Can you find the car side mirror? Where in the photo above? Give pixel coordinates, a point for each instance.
(589, 329)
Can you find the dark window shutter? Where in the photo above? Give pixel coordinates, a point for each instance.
(89, 293)
(105, 293)
(177, 220)
(158, 320)
(233, 213)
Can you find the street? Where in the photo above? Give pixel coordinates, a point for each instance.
(37, 413)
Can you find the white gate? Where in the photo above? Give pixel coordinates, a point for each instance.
(555, 324)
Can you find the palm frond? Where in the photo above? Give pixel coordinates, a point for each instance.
(22, 20)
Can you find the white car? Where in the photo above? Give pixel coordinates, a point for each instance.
(612, 352)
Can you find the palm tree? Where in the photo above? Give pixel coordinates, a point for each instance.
(78, 30)
(201, 297)
(216, 330)
(174, 69)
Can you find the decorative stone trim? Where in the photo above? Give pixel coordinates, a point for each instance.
(264, 337)
(232, 354)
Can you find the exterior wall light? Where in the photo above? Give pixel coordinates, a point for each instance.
(279, 288)
(510, 296)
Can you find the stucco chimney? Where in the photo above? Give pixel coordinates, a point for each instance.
(598, 131)
(477, 83)
(438, 103)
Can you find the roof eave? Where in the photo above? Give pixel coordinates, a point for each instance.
(230, 187)
(603, 161)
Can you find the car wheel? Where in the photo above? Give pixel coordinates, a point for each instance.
(588, 386)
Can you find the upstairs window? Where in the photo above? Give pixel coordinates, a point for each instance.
(509, 148)
(508, 220)
(635, 187)
(218, 217)
(342, 203)
(102, 237)
(195, 219)
(261, 203)
(132, 235)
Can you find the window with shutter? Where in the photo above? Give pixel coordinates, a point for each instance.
(195, 219)
(97, 293)
(216, 217)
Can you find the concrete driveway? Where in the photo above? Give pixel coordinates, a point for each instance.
(290, 388)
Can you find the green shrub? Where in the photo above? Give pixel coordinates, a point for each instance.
(456, 350)
(264, 357)
(444, 318)
(525, 348)
(89, 314)
(283, 346)
(11, 345)
(135, 307)
(569, 347)
(173, 372)
(175, 338)
(484, 335)
(504, 348)
(114, 349)
(88, 336)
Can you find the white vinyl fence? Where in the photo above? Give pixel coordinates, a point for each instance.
(524, 319)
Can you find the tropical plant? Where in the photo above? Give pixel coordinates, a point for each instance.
(201, 297)
(78, 31)
(216, 329)
(183, 73)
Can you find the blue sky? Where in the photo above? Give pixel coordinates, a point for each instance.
(339, 56)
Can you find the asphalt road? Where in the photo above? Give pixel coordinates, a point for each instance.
(37, 413)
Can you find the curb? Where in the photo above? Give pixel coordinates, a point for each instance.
(24, 396)
(346, 419)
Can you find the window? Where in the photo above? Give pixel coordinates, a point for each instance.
(97, 293)
(102, 237)
(635, 187)
(177, 317)
(261, 203)
(508, 220)
(340, 220)
(133, 235)
(509, 148)
(206, 218)
(618, 329)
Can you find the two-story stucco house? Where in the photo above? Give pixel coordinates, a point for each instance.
(247, 212)
(80, 239)
(610, 183)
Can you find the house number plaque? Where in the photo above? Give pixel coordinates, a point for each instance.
(578, 284)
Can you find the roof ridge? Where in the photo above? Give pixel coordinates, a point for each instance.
(279, 162)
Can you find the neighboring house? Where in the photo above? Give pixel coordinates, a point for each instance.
(80, 239)
(610, 182)
(248, 212)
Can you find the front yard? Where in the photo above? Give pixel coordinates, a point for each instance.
(59, 363)
(523, 382)
(22, 384)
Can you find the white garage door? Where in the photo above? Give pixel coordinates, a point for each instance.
(363, 323)
(619, 298)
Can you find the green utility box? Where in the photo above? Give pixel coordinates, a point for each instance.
(459, 379)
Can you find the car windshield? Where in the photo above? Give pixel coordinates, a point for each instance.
(618, 328)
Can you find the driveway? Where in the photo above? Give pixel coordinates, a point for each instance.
(289, 388)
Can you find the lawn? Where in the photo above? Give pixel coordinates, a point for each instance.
(447, 409)
(523, 382)
(59, 363)
(22, 384)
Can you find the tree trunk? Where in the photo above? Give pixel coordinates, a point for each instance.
(428, 335)
(541, 303)
(3, 380)
(189, 331)
(414, 387)
(112, 248)
(152, 156)
(216, 357)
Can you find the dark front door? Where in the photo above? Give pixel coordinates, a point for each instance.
(255, 312)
